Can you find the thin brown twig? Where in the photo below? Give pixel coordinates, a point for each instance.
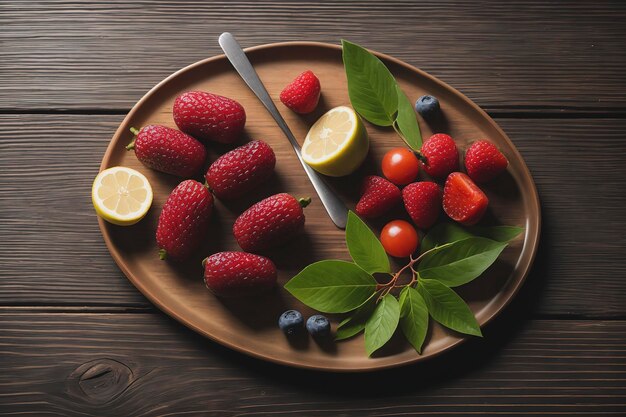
(386, 288)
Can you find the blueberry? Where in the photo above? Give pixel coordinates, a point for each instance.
(318, 326)
(427, 106)
(290, 322)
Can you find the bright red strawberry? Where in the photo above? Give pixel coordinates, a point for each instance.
(422, 201)
(184, 220)
(441, 155)
(241, 170)
(463, 201)
(229, 274)
(270, 222)
(484, 162)
(168, 150)
(208, 116)
(302, 94)
(378, 196)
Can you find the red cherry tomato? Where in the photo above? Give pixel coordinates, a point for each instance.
(400, 166)
(399, 238)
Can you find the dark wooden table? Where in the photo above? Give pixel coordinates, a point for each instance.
(76, 338)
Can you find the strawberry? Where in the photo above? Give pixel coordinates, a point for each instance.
(302, 94)
(270, 222)
(229, 274)
(441, 155)
(241, 170)
(184, 220)
(484, 162)
(168, 150)
(463, 201)
(422, 201)
(208, 116)
(378, 196)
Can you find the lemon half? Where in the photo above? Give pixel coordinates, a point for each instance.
(337, 143)
(121, 195)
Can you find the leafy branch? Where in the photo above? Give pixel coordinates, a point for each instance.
(451, 256)
(376, 95)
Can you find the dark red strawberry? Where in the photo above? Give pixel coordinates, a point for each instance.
(229, 274)
(463, 201)
(168, 150)
(184, 220)
(378, 196)
(484, 162)
(422, 201)
(241, 170)
(302, 94)
(270, 222)
(442, 156)
(208, 116)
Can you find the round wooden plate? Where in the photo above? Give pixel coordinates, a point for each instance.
(250, 325)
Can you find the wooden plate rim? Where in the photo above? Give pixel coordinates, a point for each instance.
(531, 238)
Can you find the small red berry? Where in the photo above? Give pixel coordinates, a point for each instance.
(241, 170)
(229, 274)
(270, 222)
(422, 201)
(400, 166)
(399, 238)
(484, 162)
(209, 116)
(168, 150)
(377, 197)
(184, 220)
(442, 156)
(463, 201)
(302, 94)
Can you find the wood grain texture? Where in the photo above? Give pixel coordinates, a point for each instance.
(527, 56)
(578, 270)
(504, 55)
(148, 365)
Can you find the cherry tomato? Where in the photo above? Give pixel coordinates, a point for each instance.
(400, 166)
(399, 238)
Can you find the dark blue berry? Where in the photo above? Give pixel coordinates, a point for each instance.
(427, 106)
(290, 322)
(318, 326)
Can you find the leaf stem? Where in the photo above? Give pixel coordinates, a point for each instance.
(386, 288)
(416, 151)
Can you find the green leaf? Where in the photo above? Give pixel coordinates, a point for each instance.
(443, 233)
(413, 317)
(447, 308)
(382, 324)
(371, 86)
(365, 249)
(447, 232)
(407, 122)
(332, 286)
(460, 262)
(497, 233)
(355, 323)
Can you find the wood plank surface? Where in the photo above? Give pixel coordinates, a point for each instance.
(57, 255)
(524, 55)
(77, 339)
(147, 365)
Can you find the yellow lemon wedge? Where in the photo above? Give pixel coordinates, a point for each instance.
(121, 195)
(337, 143)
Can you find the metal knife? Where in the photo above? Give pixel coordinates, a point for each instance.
(336, 209)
